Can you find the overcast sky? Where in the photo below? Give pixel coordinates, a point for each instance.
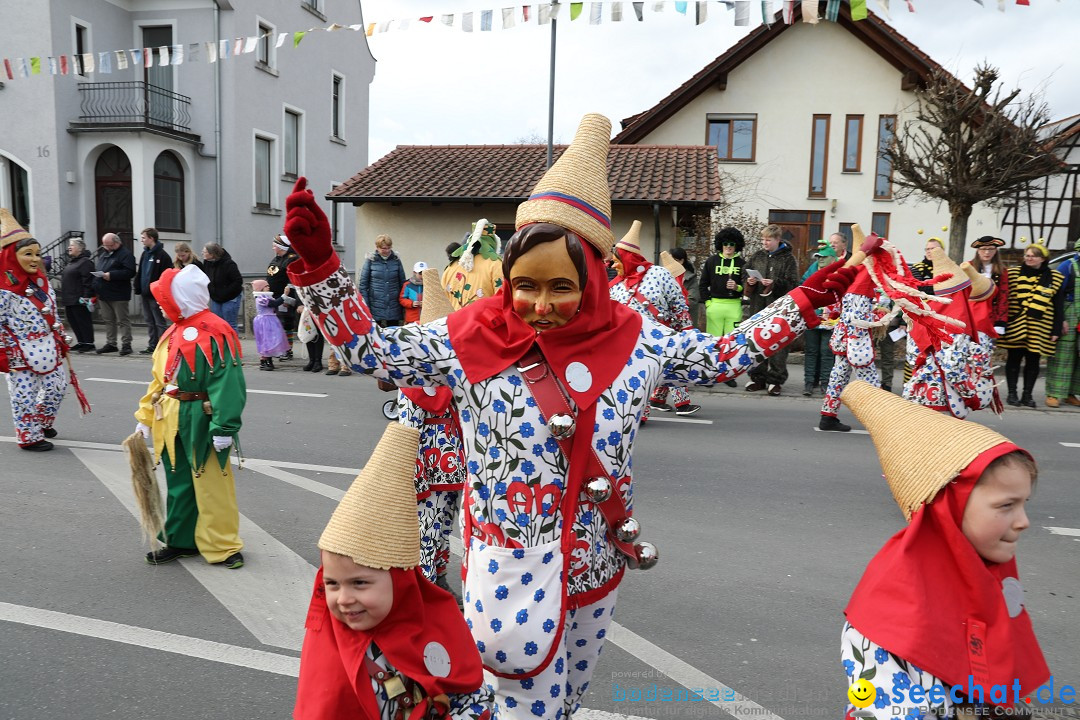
(436, 85)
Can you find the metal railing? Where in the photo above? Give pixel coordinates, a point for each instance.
(58, 254)
(134, 103)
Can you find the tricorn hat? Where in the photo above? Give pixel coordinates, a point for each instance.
(987, 241)
(10, 229)
(574, 192)
(375, 523)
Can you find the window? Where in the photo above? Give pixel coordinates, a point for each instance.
(82, 34)
(883, 173)
(337, 106)
(879, 224)
(853, 143)
(819, 155)
(263, 155)
(168, 193)
(335, 223)
(15, 190)
(315, 5)
(291, 144)
(733, 136)
(265, 52)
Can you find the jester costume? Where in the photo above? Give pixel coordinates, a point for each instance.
(195, 400)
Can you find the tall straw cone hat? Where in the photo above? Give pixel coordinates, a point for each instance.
(670, 264)
(10, 229)
(631, 241)
(375, 523)
(982, 287)
(436, 302)
(574, 192)
(896, 427)
(944, 264)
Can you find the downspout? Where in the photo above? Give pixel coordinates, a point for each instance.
(656, 223)
(217, 127)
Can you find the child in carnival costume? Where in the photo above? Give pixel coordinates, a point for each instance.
(544, 553)
(941, 603)
(440, 462)
(477, 271)
(192, 411)
(32, 341)
(381, 641)
(270, 338)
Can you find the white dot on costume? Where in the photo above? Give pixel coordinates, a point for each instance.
(1014, 596)
(578, 377)
(191, 333)
(40, 282)
(640, 268)
(436, 659)
(429, 391)
(479, 292)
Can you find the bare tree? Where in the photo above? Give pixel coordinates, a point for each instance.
(967, 146)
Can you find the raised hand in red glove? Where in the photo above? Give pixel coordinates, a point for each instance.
(307, 227)
(871, 243)
(816, 290)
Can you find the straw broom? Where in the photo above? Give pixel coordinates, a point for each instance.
(144, 483)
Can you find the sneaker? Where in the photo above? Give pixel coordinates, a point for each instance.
(1052, 402)
(234, 561)
(731, 383)
(49, 433)
(830, 423)
(662, 407)
(168, 554)
(286, 356)
(39, 446)
(126, 350)
(808, 390)
(147, 351)
(110, 348)
(1072, 400)
(754, 386)
(774, 389)
(687, 409)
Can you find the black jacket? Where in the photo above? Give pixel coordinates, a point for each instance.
(715, 274)
(76, 281)
(380, 284)
(153, 261)
(226, 282)
(121, 268)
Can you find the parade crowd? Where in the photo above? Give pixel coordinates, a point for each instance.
(524, 374)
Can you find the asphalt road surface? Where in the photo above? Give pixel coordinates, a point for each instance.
(764, 527)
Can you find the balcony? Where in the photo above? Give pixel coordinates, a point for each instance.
(134, 105)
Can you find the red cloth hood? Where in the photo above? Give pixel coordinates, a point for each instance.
(634, 268)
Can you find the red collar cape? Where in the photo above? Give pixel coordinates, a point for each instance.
(630, 260)
(488, 336)
(920, 591)
(333, 682)
(14, 279)
(207, 327)
(436, 403)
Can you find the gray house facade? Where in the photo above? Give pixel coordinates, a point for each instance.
(204, 151)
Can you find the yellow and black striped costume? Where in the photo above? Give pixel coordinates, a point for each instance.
(1036, 309)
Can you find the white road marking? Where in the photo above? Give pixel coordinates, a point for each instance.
(657, 418)
(1074, 533)
(1077, 445)
(270, 596)
(849, 432)
(152, 639)
(260, 392)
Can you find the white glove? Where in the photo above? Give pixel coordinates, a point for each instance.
(143, 430)
(222, 441)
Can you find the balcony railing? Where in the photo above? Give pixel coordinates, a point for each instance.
(134, 103)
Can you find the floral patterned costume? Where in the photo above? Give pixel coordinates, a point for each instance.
(852, 344)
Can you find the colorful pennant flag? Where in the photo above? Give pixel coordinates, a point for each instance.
(163, 56)
(448, 20)
(76, 65)
(7, 69)
(742, 12)
(1023, 2)
(575, 10)
(24, 68)
(35, 65)
(680, 7)
(616, 11)
(525, 12)
(832, 10)
(544, 14)
(211, 52)
(177, 53)
(121, 59)
(789, 11)
(298, 36)
(485, 21)
(809, 11)
(884, 5)
(508, 17)
(766, 12)
(639, 10)
(858, 9)
(466, 21)
(595, 13)
(105, 62)
(148, 57)
(194, 52)
(87, 60)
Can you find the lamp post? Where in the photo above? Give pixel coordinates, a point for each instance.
(551, 86)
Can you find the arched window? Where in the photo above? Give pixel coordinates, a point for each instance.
(168, 193)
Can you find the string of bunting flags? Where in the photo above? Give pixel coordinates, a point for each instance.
(483, 21)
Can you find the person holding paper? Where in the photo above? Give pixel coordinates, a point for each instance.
(114, 269)
(771, 273)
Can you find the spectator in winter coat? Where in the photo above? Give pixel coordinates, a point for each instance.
(780, 275)
(380, 282)
(412, 293)
(184, 255)
(153, 261)
(76, 293)
(226, 282)
(113, 287)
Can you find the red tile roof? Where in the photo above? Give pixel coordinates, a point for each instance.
(914, 65)
(669, 174)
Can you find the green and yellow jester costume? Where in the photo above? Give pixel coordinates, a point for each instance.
(193, 408)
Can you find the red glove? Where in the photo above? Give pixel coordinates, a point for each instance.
(307, 226)
(871, 243)
(816, 290)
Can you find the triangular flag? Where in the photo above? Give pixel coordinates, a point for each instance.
(448, 20)
(52, 66)
(105, 62)
(163, 55)
(357, 27)
(884, 5)
(766, 12)
(553, 11)
(832, 10)
(639, 10)
(508, 17)
(211, 52)
(223, 49)
(177, 54)
(680, 7)
(7, 69)
(240, 46)
(136, 57)
(525, 11)
(910, 6)
(121, 59)
(427, 18)
(1023, 2)
(63, 65)
(596, 11)
(575, 10)
(87, 62)
(35, 65)
(384, 26)
(194, 52)
(466, 21)
(370, 29)
(810, 11)
(543, 16)
(24, 67)
(616, 11)
(148, 57)
(701, 12)
(858, 9)
(485, 20)
(297, 37)
(281, 39)
(334, 27)
(789, 11)
(742, 12)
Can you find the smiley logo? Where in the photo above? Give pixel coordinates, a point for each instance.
(861, 693)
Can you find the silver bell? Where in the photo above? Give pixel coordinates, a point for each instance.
(647, 555)
(561, 426)
(628, 530)
(68, 340)
(57, 326)
(597, 490)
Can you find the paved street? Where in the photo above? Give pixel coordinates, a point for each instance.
(763, 523)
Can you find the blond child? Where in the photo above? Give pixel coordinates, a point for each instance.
(937, 622)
